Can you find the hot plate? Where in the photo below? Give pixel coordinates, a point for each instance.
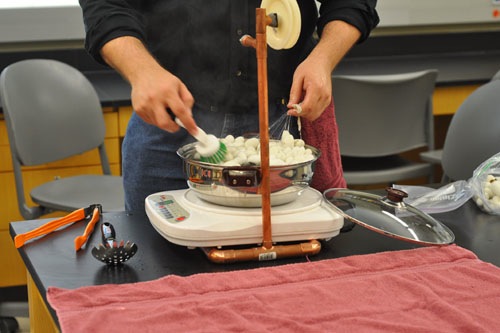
(183, 218)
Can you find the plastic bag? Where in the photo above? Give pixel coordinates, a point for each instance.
(485, 183)
(432, 201)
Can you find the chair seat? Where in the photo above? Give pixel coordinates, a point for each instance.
(432, 156)
(68, 194)
(366, 171)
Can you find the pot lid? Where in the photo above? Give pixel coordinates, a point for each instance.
(389, 216)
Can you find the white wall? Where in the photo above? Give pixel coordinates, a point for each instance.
(431, 12)
(37, 3)
(61, 20)
(40, 20)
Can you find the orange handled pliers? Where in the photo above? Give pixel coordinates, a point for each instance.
(92, 212)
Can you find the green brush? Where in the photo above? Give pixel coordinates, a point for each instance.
(211, 150)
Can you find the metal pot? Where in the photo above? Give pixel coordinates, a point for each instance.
(239, 186)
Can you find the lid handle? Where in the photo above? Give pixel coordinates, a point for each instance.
(395, 195)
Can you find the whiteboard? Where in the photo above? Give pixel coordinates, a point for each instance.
(435, 12)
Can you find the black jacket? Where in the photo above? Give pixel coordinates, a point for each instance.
(198, 41)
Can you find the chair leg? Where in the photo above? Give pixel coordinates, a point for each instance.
(432, 176)
(8, 325)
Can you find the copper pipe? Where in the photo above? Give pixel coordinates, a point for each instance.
(268, 251)
(248, 41)
(262, 20)
(260, 45)
(262, 253)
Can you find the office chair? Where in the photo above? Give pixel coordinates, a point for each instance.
(473, 135)
(496, 76)
(52, 112)
(380, 117)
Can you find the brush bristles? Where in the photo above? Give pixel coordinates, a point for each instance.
(218, 157)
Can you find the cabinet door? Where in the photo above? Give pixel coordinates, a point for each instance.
(11, 264)
(446, 100)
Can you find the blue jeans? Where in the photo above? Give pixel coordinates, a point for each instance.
(150, 162)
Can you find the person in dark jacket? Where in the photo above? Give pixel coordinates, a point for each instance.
(185, 56)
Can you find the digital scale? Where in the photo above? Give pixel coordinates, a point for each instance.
(183, 218)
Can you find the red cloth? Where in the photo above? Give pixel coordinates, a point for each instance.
(430, 289)
(323, 134)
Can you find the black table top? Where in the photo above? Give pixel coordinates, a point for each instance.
(52, 260)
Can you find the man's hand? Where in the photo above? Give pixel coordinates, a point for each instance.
(157, 90)
(154, 89)
(312, 82)
(311, 90)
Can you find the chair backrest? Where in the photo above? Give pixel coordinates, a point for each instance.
(381, 115)
(496, 76)
(52, 111)
(474, 132)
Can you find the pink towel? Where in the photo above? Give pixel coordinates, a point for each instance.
(323, 134)
(431, 289)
